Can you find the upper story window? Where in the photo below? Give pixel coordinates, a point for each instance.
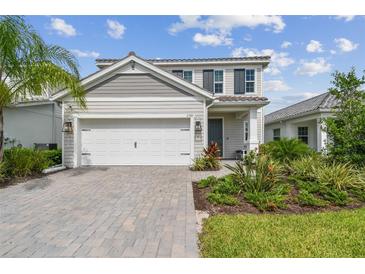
(303, 134)
(188, 75)
(185, 74)
(218, 81)
(276, 134)
(250, 80)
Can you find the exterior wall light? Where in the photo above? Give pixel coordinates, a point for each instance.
(67, 127)
(198, 126)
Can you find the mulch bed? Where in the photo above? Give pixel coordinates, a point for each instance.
(201, 203)
(19, 180)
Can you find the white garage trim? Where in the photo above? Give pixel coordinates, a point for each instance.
(129, 116)
(77, 131)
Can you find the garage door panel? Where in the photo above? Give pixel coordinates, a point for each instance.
(123, 142)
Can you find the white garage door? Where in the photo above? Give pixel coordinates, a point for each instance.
(135, 141)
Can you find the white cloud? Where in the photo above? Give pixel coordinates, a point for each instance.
(332, 51)
(115, 29)
(62, 28)
(276, 85)
(347, 18)
(85, 54)
(212, 40)
(225, 23)
(314, 46)
(286, 44)
(278, 59)
(345, 45)
(313, 67)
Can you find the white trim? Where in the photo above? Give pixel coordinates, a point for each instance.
(140, 99)
(192, 139)
(222, 118)
(246, 125)
(128, 116)
(182, 63)
(205, 132)
(223, 81)
(62, 133)
(30, 104)
(76, 138)
(143, 63)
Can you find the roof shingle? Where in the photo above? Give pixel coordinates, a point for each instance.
(322, 102)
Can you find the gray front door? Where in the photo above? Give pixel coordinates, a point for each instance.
(215, 132)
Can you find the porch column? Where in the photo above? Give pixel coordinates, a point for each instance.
(253, 139)
(321, 136)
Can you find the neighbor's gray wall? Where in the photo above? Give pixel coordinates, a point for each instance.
(123, 107)
(33, 124)
(135, 85)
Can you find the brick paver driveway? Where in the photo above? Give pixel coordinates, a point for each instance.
(144, 211)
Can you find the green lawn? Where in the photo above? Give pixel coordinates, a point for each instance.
(332, 234)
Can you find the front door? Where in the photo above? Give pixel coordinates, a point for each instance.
(215, 132)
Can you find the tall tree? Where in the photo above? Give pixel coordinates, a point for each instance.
(346, 131)
(30, 67)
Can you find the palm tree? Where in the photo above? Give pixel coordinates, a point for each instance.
(30, 67)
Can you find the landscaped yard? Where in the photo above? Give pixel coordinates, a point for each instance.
(330, 234)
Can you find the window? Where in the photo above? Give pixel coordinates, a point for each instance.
(276, 134)
(303, 134)
(245, 131)
(250, 80)
(218, 81)
(185, 74)
(188, 75)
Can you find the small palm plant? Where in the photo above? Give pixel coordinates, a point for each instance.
(30, 67)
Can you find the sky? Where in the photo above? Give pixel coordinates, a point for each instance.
(304, 50)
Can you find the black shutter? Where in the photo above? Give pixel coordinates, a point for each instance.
(208, 81)
(178, 73)
(239, 81)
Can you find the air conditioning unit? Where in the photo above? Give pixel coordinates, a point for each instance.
(43, 146)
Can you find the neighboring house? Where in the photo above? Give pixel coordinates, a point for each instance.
(164, 111)
(303, 120)
(34, 121)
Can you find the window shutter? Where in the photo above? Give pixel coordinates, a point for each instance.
(208, 80)
(178, 73)
(239, 81)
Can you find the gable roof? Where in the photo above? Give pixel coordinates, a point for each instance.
(133, 58)
(321, 103)
(265, 60)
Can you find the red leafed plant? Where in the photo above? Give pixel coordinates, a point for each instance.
(212, 150)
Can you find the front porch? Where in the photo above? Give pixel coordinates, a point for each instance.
(237, 129)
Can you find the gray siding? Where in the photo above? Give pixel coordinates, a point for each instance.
(135, 85)
(187, 108)
(228, 74)
(232, 133)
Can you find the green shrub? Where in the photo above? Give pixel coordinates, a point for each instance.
(306, 198)
(21, 162)
(226, 185)
(222, 199)
(260, 174)
(304, 168)
(359, 193)
(338, 176)
(209, 181)
(206, 163)
(311, 187)
(335, 196)
(266, 200)
(286, 150)
(55, 156)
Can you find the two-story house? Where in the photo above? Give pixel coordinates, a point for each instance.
(164, 111)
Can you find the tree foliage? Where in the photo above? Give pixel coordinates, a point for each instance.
(346, 131)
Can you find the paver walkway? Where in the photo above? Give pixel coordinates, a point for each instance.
(125, 211)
